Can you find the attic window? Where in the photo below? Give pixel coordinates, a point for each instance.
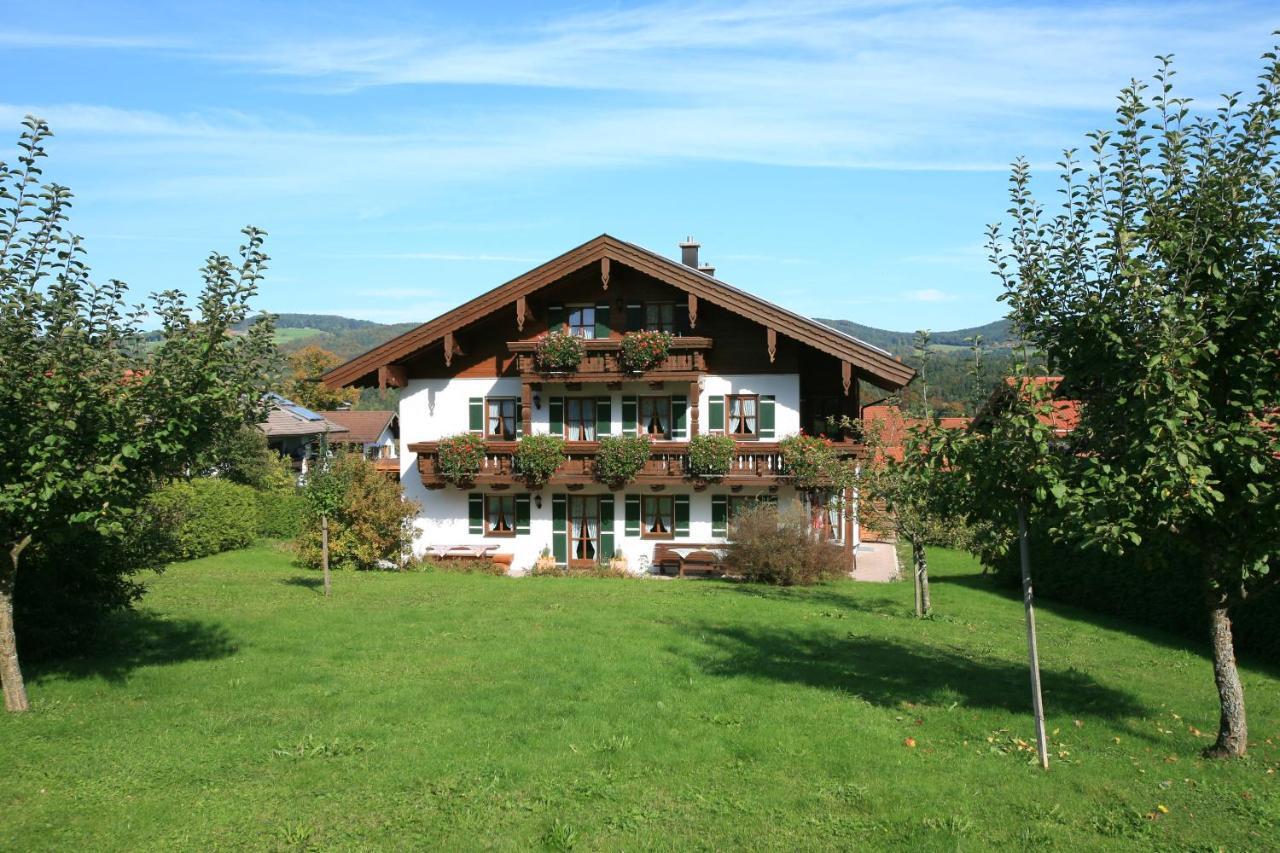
(582, 321)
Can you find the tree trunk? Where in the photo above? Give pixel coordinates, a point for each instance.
(324, 550)
(1028, 603)
(917, 578)
(1233, 732)
(923, 569)
(15, 691)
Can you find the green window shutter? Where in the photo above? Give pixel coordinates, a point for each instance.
(604, 416)
(602, 321)
(767, 416)
(630, 406)
(631, 507)
(560, 528)
(715, 414)
(606, 528)
(519, 418)
(555, 318)
(475, 513)
(555, 411)
(522, 514)
(719, 515)
(682, 515)
(679, 417)
(635, 317)
(476, 420)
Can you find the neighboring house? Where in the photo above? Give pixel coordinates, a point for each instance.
(375, 434)
(1064, 414)
(740, 366)
(295, 431)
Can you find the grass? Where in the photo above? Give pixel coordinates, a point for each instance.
(288, 336)
(240, 709)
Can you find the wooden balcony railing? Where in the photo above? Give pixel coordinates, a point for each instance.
(602, 362)
(754, 463)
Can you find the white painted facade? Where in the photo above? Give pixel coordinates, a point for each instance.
(432, 409)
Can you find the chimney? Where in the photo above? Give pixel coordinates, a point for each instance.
(689, 252)
(708, 269)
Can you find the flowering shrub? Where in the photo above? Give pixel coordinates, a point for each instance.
(812, 463)
(710, 455)
(461, 457)
(559, 351)
(621, 457)
(538, 457)
(645, 350)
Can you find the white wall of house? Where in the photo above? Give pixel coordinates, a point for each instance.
(431, 409)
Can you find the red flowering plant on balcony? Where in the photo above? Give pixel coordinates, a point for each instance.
(460, 457)
(814, 465)
(645, 350)
(558, 352)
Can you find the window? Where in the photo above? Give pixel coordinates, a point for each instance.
(657, 516)
(501, 417)
(584, 529)
(741, 412)
(582, 321)
(500, 515)
(660, 317)
(655, 417)
(580, 418)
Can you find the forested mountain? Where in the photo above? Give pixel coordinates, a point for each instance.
(994, 336)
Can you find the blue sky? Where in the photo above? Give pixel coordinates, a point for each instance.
(840, 158)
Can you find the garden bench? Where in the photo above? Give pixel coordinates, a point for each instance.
(679, 557)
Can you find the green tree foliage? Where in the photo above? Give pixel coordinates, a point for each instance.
(1154, 290)
(204, 516)
(89, 419)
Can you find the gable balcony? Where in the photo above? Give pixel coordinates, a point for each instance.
(755, 463)
(602, 362)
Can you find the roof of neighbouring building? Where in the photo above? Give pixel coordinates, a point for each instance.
(286, 417)
(362, 427)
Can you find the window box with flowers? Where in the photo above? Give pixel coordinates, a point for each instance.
(460, 457)
(620, 458)
(558, 352)
(813, 464)
(645, 350)
(538, 457)
(710, 456)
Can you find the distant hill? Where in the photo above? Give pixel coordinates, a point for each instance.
(342, 336)
(995, 335)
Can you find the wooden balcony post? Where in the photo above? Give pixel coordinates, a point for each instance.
(526, 408)
(694, 393)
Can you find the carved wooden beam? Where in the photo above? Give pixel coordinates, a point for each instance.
(693, 409)
(772, 339)
(604, 272)
(522, 311)
(392, 376)
(448, 349)
(526, 409)
(693, 311)
(846, 376)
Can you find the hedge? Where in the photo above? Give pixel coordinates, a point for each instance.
(1168, 595)
(280, 513)
(204, 516)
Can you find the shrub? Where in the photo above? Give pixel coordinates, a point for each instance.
(812, 463)
(538, 457)
(595, 570)
(200, 517)
(645, 350)
(372, 526)
(621, 457)
(462, 567)
(710, 455)
(281, 513)
(559, 351)
(461, 457)
(777, 547)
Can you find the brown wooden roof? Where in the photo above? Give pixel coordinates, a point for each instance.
(872, 363)
(362, 427)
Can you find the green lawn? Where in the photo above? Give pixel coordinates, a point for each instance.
(240, 709)
(288, 336)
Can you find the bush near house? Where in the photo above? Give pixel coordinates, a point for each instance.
(373, 525)
(772, 546)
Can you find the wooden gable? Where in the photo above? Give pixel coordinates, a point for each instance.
(751, 335)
